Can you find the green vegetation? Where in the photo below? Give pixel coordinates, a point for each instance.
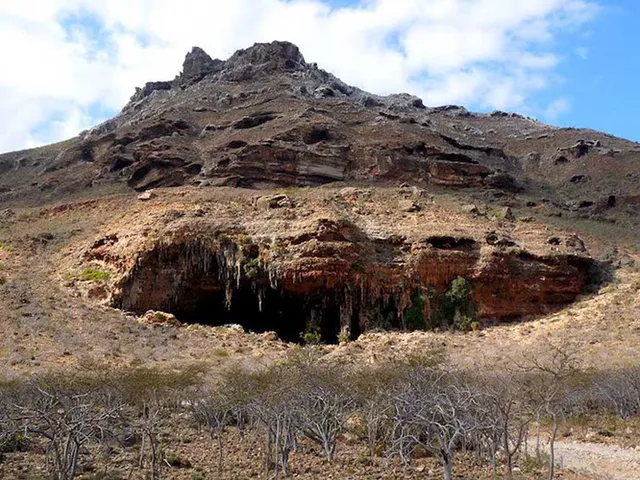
(359, 266)
(251, 268)
(414, 316)
(455, 309)
(312, 336)
(5, 247)
(344, 336)
(94, 275)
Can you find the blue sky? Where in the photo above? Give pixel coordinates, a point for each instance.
(69, 64)
(605, 87)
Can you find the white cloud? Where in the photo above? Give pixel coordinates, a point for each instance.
(583, 53)
(556, 108)
(483, 53)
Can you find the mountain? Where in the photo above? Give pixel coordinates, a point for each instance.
(264, 191)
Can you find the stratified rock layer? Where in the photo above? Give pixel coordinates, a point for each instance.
(290, 264)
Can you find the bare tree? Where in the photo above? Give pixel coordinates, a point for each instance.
(274, 405)
(510, 415)
(557, 373)
(9, 426)
(152, 396)
(620, 390)
(372, 386)
(323, 404)
(435, 410)
(68, 418)
(213, 410)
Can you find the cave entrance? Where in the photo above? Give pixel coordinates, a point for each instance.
(288, 315)
(224, 284)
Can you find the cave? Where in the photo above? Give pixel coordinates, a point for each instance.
(224, 286)
(288, 315)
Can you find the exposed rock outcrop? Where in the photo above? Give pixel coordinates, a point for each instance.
(197, 65)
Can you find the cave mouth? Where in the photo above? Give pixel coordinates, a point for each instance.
(225, 283)
(260, 310)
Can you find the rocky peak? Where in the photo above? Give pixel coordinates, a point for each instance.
(269, 56)
(197, 65)
(261, 58)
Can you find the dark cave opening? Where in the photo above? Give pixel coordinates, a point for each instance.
(226, 284)
(288, 315)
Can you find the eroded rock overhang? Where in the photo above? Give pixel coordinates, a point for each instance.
(337, 278)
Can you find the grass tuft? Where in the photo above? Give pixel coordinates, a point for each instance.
(94, 275)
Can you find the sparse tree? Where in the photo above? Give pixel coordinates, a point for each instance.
(213, 410)
(372, 386)
(555, 374)
(274, 405)
(324, 400)
(152, 396)
(509, 414)
(620, 390)
(435, 410)
(69, 417)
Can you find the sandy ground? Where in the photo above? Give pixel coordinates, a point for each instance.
(606, 462)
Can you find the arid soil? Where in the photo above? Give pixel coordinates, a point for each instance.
(605, 461)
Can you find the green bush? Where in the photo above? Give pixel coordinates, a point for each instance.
(414, 317)
(175, 461)
(359, 266)
(251, 268)
(458, 308)
(15, 443)
(6, 247)
(312, 337)
(476, 326)
(344, 336)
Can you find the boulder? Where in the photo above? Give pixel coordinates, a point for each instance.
(409, 206)
(274, 201)
(499, 240)
(506, 214)
(146, 196)
(153, 317)
(473, 210)
(503, 181)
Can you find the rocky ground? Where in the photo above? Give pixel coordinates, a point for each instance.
(57, 293)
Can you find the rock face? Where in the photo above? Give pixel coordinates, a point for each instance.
(265, 118)
(328, 280)
(290, 264)
(197, 65)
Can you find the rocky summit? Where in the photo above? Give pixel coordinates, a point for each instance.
(262, 190)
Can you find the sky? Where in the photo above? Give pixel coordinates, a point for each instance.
(67, 65)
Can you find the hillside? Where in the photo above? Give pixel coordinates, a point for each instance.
(279, 198)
